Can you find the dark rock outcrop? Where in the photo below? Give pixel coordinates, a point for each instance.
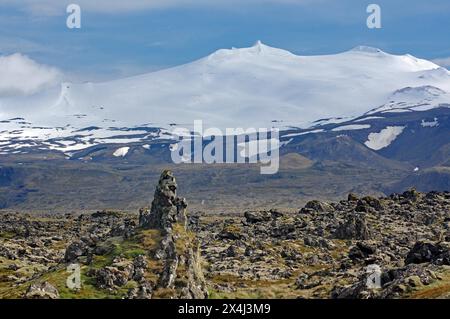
(178, 250)
(166, 208)
(317, 206)
(42, 290)
(425, 251)
(368, 203)
(257, 217)
(361, 250)
(76, 250)
(354, 228)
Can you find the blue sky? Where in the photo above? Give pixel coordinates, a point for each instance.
(122, 38)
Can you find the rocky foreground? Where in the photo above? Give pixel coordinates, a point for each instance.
(393, 247)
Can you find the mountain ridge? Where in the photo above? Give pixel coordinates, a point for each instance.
(260, 86)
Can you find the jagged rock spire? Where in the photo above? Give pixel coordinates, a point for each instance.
(166, 208)
(181, 273)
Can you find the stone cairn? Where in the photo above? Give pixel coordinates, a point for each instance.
(167, 209)
(181, 269)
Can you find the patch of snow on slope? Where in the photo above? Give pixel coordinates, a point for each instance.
(398, 111)
(66, 139)
(337, 120)
(121, 152)
(369, 118)
(351, 127)
(384, 138)
(430, 124)
(304, 133)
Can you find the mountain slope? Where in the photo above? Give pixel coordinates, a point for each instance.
(259, 86)
(420, 138)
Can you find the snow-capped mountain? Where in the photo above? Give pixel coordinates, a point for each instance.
(257, 87)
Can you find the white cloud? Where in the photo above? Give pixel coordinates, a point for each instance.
(20, 75)
(444, 62)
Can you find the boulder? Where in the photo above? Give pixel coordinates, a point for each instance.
(111, 278)
(414, 281)
(42, 290)
(317, 206)
(412, 195)
(318, 242)
(257, 217)
(144, 291)
(76, 250)
(354, 228)
(231, 251)
(368, 203)
(426, 251)
(361, 250)
(231, 232)
(126, 230)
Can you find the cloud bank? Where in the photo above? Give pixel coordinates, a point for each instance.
(20, 75)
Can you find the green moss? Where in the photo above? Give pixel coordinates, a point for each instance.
(7, 235)
(164, 293)
(183, 239)
(88, 289)
(438, 289)
(143, 243)
(128, 250)
(101, 261)
(259, 290)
